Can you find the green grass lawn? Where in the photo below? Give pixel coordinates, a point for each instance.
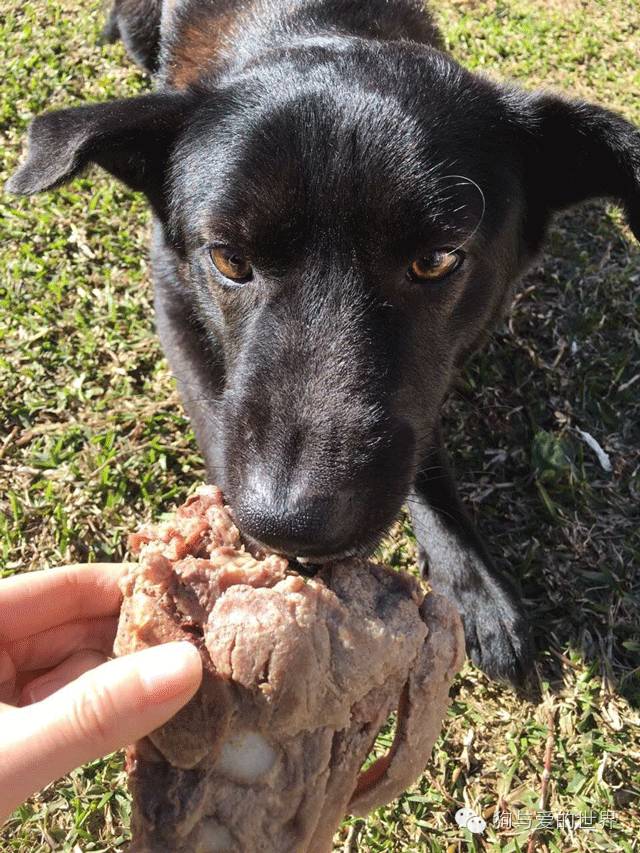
(93, 437)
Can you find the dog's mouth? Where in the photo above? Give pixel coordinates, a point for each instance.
(310, 566)
(303, 566)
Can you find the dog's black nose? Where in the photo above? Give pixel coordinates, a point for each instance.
(306, 526)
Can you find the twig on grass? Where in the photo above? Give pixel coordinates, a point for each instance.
(546, 772)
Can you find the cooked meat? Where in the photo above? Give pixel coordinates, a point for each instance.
(300, 675)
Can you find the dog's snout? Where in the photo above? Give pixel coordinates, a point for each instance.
(306, 525)
(320, 498)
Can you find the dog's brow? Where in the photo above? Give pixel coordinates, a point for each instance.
(462, 180)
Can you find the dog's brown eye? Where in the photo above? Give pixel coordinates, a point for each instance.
(435, 266)
(231, 263)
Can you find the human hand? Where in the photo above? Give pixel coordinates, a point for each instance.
(61, 702)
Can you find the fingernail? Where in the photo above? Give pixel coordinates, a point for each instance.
(39, 691)
(7, 669)
(170, 669)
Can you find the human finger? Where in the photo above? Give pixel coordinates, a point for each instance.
(34, 601)
(104, 709)
(70, 669)
(7, 678)
(49, 648)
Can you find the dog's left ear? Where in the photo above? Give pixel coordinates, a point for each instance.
(573, 151)
(130, 138)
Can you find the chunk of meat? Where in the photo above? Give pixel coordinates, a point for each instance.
(300, 676)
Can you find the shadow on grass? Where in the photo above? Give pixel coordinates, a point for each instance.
(567, 359)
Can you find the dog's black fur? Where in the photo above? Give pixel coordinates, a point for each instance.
(332, 143)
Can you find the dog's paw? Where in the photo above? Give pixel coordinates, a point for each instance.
(498, 637)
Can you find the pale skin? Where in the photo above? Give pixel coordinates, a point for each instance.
(62, 701)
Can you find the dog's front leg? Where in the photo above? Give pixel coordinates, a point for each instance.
(457, 564)
(198, 369)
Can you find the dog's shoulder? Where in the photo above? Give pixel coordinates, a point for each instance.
(201, 40)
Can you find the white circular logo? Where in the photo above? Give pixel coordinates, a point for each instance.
(476, 824)
(468, 819)
(463, 816)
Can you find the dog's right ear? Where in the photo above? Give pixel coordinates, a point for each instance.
(574, 151)
(130, 138)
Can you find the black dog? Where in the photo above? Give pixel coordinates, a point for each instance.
(340, 213)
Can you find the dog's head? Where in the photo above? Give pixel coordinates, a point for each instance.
(349, 220)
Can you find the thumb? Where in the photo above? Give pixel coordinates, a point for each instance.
(102, 710)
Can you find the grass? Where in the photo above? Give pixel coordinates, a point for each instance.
(94, 438)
